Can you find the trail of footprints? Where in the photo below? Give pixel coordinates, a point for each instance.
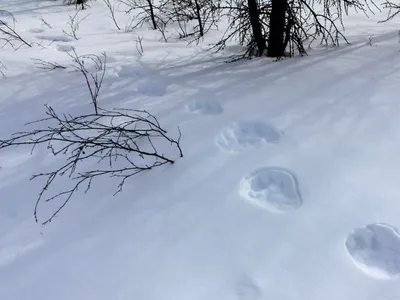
(373, 249)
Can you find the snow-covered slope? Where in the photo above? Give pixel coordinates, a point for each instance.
(288, 188)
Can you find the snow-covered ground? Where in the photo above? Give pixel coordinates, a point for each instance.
(288, 189)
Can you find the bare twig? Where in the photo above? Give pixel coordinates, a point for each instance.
(2, 66)
(139, 45)
(93, 81)
(74, 23)
(111, 8)
(45, 23)
(9, 35)
(148, 12)
(47, 65)
(393, 10)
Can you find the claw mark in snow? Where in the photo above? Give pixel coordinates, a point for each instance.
(375, 250)
(273, 189)
(242, 135)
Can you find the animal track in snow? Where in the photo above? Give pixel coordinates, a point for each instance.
(55, 38)
(153, 88)
(375, 250)
(274, 189)
(242, 135)
(204, 106)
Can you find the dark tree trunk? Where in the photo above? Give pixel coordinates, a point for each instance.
(256, 26)
(276, 40)
(198, 13)
(153, 18)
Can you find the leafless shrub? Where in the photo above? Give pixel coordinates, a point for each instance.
(122, 143)
(106, 143)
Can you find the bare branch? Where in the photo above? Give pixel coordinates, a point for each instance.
(74, 23)
(393, 10)
(111, 8)
(121, 142)
(45, 23)
(3, 67)
(93, 80)
(47, 65)
(139, 45)
(9, 35)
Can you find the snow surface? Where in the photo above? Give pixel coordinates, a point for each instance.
(320, 134)
(205, 106)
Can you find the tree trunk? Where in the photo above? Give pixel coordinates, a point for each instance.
(152, 17)
(276, 41)
(198, 14)
(256, 26)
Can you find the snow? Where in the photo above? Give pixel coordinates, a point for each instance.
(64, 48)
(316, 139)
(129, 71)
(205, 106)
(152, 87)
(54, 38)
